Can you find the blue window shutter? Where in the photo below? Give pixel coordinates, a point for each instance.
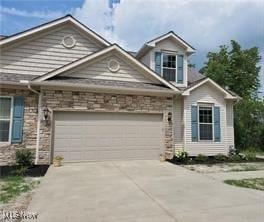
(180, 69)
(18, 119)
(194, 116)
(158, 62)
(217, 128)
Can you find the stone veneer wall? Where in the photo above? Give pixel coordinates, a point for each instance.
(81, 101)
(29, 128)
(72, 101)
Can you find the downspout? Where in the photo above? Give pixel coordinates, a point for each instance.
(184, 123)
(39, 119)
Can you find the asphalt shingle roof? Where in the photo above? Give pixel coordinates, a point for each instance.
(194, 77)
(10, 77)
(101, 82)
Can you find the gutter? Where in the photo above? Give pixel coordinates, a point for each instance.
(103, 88)
(39, 117)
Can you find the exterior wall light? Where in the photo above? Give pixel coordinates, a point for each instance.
(46, 113)
(169, 116)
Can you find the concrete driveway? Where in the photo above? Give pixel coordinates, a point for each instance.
(141, 191)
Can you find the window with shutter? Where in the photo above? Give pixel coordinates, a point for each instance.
(18, 119)
(194, 120)
(170, 66)
(217, 129)
(205, 123)
(158, 62)
(5, 118)
(180, 69)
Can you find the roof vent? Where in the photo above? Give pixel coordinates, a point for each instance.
(113, 65)
(68, 41)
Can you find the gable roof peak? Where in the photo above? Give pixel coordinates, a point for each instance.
(198, 83)
(53, 23)
(170, 34)
(94, 55)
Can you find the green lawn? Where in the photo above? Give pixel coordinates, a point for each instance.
(13, 186)
(254, 183)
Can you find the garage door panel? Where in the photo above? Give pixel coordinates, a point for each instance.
(110, 134)
(109, 155)
(132, 122)
(94, 117)
(68, 129)
(80, 136)
(101, 149)
(104, 144)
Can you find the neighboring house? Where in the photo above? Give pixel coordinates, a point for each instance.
(67, 91)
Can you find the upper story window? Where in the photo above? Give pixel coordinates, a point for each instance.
(5, 118)
(169, 66)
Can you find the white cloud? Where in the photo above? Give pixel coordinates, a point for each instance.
(96, 15)
(205, 24)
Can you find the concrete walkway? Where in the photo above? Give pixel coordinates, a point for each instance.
(141, 191)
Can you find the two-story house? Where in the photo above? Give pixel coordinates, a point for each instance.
(67, 91)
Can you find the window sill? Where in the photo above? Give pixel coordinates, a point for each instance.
(2, 144)
(206, 141)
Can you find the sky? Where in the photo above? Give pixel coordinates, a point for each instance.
(205, 24)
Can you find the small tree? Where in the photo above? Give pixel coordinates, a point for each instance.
(238, 70)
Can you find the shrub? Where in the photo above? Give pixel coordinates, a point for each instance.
(220, 157)
(201, 158)
(24, 157)
(233, 151)
(21, 171)
(235, 158)
(181, 156)
(250, 155)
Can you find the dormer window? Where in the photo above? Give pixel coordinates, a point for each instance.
(169, 66)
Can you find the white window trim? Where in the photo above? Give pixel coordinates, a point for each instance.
(10, 122)
(198, 120)
(176, 68)
(176, 64)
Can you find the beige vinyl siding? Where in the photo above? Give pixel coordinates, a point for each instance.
(205, 94)
(229, 125)
(146, 59)
(45, 53)
(99, 70)
(170, 45)
(178, 123)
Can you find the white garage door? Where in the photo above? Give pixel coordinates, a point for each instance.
(83, 136)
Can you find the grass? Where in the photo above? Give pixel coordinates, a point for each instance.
(13, 186)
(254, 183)
(225, 167)
(244, 168)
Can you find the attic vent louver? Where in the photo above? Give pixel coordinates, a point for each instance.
(68, 41)
(113, 65)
